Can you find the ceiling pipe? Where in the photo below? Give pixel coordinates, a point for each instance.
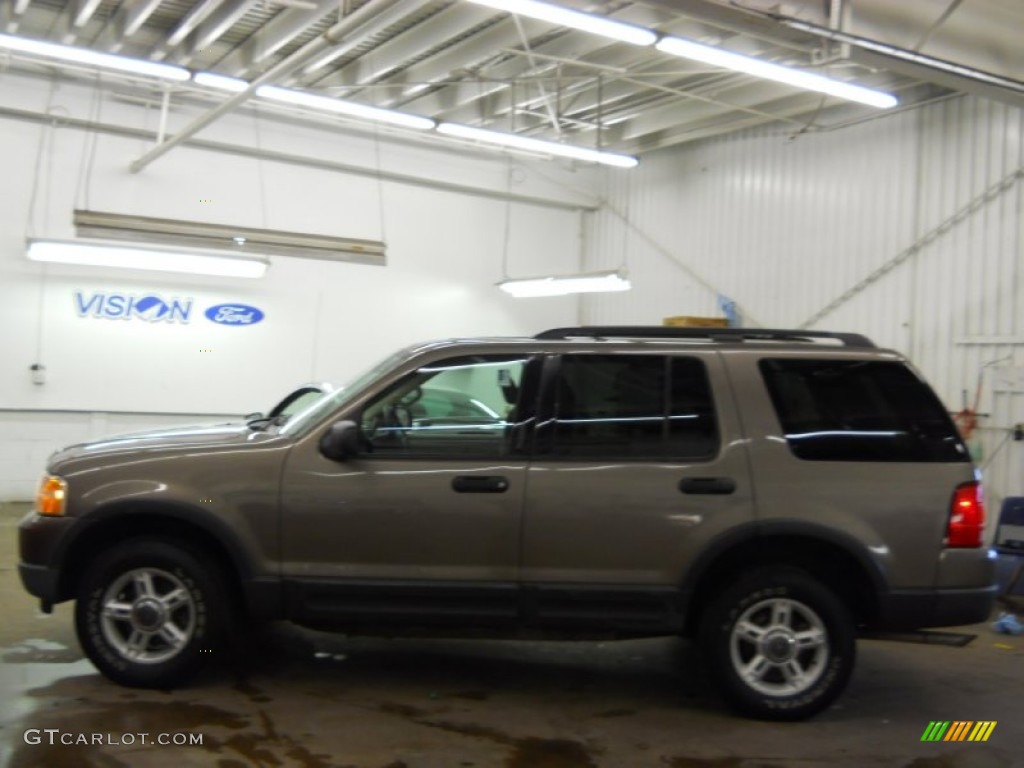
(902, 54)
(792, 32)
(332, 36)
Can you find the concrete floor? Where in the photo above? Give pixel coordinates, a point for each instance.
(314, 700)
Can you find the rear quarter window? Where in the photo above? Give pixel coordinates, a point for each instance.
(859, 410)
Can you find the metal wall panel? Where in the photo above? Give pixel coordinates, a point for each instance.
(907, 228)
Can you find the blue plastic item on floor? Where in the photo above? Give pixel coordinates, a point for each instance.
(1008, 624)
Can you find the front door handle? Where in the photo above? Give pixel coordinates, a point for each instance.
(719, 486)
(480, 484)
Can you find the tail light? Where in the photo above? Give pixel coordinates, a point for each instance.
(966, 517)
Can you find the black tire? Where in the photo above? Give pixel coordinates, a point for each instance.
(150, 612)
(781, 646)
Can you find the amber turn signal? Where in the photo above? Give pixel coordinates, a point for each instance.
(52, 496)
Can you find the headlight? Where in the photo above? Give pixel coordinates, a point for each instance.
(52, 496)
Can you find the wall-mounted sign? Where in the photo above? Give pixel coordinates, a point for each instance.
(234, 314)
(124, 306)
(156, 309)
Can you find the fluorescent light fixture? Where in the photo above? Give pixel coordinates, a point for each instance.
(565, 17)
(92, 58)
(140, 257)
(799, 78)
(348, 108)
(227, 239)
(537, 145)
(562, 285)
(219, 82)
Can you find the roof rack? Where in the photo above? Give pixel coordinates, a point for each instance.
(712, 334)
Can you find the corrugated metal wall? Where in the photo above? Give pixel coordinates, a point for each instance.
(907, 228)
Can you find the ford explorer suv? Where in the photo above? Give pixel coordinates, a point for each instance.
(768, 493)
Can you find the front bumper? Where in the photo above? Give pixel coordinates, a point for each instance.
(40, 581)
(40, 541)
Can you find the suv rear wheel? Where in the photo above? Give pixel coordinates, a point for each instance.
(147, 611)
(781, 645)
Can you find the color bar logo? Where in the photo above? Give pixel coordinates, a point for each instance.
(958, 730)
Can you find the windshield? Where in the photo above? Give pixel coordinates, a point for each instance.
(334, 400)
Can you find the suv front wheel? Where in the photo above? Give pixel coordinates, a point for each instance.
(148, 611)
(780, 644)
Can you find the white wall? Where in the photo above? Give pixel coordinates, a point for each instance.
(323, 321)
(907, 228)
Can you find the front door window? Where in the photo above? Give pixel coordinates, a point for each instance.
(463, 406)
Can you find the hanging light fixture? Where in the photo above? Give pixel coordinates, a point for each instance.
(563, 285)
(567, 17)
(515, 141)
(799, 78)
(96, 254)
(90, 58)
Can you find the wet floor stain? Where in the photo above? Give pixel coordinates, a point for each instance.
(72, 756)
(164, 716)
(402, 710)
(470, 729)
(262, 748)
(617, 713)
(549, 753)
(721, 762)
(471, 695)
(974, 759)
(35, 651)
(253, 693)
(529, 752)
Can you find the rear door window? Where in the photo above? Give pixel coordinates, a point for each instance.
(632, 407)
(859, 410)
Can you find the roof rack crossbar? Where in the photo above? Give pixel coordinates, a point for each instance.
(712, 334)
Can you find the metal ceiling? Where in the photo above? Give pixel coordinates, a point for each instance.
(459, 62)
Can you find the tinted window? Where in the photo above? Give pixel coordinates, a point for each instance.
(457, 407)
(692, 428)
(859, 410)
(633, 406)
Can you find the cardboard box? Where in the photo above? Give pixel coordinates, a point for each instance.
(688, 321)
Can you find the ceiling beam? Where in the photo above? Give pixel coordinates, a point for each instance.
(331, 37)
(124, 23)
(190, 21)
(457, 61)
(314, 69)
(567, 44)
(271, 37)
(409, 44)
(210, 30)
(84, 11)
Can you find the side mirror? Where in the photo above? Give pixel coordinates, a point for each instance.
(341, 441)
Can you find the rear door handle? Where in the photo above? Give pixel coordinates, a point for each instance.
(719, 486)
(480, 484)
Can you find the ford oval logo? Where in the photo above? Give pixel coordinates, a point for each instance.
(234, 314)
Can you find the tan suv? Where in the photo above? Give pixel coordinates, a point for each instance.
(767, 492)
